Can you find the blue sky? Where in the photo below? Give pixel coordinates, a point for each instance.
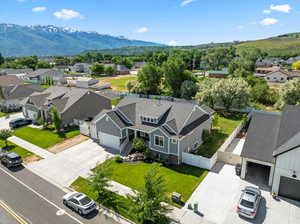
(180, 22)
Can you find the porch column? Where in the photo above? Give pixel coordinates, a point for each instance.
(135, 133)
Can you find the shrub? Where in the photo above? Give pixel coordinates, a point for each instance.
(139, 145)
(119, 159)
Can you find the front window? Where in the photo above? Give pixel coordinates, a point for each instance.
(159, 141)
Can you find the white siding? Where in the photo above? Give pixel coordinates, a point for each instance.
(286, 164)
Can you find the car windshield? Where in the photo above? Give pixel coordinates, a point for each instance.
(85, 201)
(247, 204)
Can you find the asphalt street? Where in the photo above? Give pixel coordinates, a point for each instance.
(37, 201)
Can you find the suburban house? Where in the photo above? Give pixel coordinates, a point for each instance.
(272, 150)
(9, 80)
(291, 60)
(20, 73)
(168, 128)
(81, 68)
(263, 71)
(40, 75)
(217, 74)
(86, 82)
(269, 62)
(281, 75)
(120, 69)
(12, 97)
(74, 104)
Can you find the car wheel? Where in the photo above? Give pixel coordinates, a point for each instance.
(65, 203)
(79, 212)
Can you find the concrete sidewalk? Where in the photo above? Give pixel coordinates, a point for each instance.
(30, 147)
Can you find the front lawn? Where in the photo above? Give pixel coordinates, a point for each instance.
(226, 125)
(182, 178)
(43, 138)
(119, 83)
(2, 114)
(11, 147)
(117, 203)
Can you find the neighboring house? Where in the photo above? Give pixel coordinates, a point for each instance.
(168, 128)
(281, 75)
(120, 69)
(63, 68)
(20, 73)
(138, 65)
(81, 68)
(9, 80)
(217, 74)
(291, 60)
(74, 104)
(12, 97)
(264, 71)
(272, 150)
(269, 62)
(40, 75)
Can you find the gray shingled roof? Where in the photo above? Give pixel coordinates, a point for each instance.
(20, 91)
(177, 115)
(261, 138)
(289, 128)
(9, 80)
(61, 97)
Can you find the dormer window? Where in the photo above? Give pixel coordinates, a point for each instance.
(149, 119)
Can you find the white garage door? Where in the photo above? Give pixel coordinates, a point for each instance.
(110, 141)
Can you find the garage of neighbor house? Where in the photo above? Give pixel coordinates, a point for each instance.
(271, 153)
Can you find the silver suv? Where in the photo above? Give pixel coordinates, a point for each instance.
(79, 202)
(249, 202)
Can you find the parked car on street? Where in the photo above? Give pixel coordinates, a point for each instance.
(20, 122)
(10, 159)
(79, 202)
(249, 202)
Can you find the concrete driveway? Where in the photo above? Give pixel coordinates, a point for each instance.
(4, 123)
(219, 193)
(63, 168)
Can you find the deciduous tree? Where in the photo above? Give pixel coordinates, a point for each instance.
(150, 203)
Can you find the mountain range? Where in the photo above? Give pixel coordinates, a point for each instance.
(16, 40)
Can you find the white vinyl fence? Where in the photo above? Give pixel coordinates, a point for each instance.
(220, 155)
(199, 161)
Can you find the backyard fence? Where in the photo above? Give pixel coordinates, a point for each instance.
(199, 161)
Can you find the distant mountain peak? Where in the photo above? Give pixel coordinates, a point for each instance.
(50, 40)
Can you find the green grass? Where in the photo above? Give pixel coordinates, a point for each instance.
(119, 84)
(11, 147)
(182, 179)
(226, 125)
(116, 101)
(43, 138)
(2, 114)
(45, 86)
(276, 46)
(117, 203)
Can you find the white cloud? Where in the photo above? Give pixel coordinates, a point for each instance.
(39, 9)
(268, 21)
(240, 27)
(67, 14)
(186, 2)
(253, 23)
(172, 43)
(142, 30)
(286, 8)
(267, 11)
